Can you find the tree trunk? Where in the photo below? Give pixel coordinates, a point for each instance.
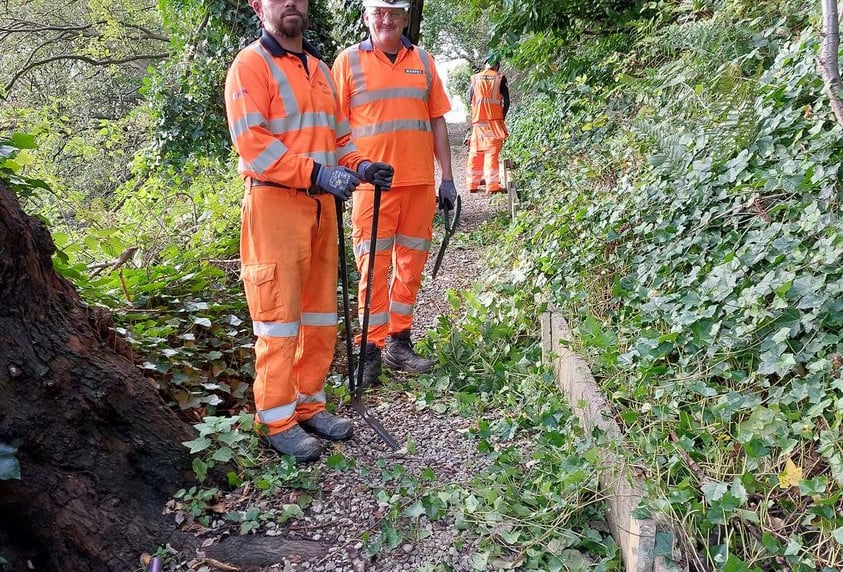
(828, 61)
(414, 27)
(99, 451)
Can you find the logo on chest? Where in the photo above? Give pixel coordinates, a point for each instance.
(411, 71)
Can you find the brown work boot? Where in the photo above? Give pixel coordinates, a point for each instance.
(372, 365)
(294, 441)
(329, 426)
(399, 355)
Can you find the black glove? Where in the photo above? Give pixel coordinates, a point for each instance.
(447, 195)
(339, 181)
(379, 174)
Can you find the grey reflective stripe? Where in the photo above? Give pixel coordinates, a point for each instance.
(343, 128)
(389, 93)
(267, 157)
(276, 329)
(279, 413)
(358, 79)
(364, 246)
(425, 58)
(399, 308)
(413, 242)
(327, 158)
(301, 121)
(313, 398)
(349, 147)
(489, 100)
(391, 127)
(245, 123)
(329, 77)
(319, 319)
(378, 319)
(285, 90)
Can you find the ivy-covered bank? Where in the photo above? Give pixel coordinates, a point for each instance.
(682, 206)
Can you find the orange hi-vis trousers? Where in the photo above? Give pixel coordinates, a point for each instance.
(484, 151)
(405, 230)
(288, 248)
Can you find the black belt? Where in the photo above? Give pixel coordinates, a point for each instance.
(310, 191)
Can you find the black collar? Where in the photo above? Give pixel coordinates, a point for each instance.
(273, 47)
(368, 46)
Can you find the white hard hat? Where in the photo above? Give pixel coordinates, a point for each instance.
(386, 4)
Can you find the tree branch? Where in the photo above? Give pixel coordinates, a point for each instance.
(828, 60)
(26, 27)
(86, 59)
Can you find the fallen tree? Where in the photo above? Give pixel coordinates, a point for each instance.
(99, 452)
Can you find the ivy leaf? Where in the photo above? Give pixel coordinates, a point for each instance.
(223, 455)
(197, 445)
(774, 363)
(415, 510)
(792, 475)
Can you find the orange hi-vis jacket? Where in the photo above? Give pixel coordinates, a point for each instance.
(282, 121)
(285, 118)
(487, 101)
(390, 106)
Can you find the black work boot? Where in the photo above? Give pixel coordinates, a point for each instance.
(399, 355)
(294, 441)
(328, 426)
(372, 365)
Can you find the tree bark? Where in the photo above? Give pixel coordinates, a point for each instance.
(414, 27)
(828, 61)
(99, 452)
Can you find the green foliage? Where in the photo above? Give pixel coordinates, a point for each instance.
(348, 27)
(233, 443)
(223, 440)
(511, 21)
(12, 161)
(453, 29)
(459, 82)
(535, 506)
(689, 225)
(185, 93)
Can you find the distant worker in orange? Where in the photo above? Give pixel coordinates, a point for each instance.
(396, 103)
(297, 158)
(489, 98)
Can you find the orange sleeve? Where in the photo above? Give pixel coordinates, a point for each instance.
(341, 78)
(263, 155)
(352, 157)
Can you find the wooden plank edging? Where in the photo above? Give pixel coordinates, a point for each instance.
(623, 490)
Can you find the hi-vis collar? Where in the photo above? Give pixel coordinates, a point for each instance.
(273, 47)
(368, 46)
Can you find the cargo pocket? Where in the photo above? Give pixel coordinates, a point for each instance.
(262, 293)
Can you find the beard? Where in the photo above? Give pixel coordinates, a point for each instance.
(288, 27)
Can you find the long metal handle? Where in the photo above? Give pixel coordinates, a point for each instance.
(346, 304)
(364, 326)
(356, 388)
(450, 227)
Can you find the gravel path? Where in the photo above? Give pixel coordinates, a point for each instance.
(346, 506)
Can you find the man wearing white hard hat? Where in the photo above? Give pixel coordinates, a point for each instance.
(395, 102)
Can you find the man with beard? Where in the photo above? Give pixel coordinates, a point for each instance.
(298, 162)
(395, 102)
